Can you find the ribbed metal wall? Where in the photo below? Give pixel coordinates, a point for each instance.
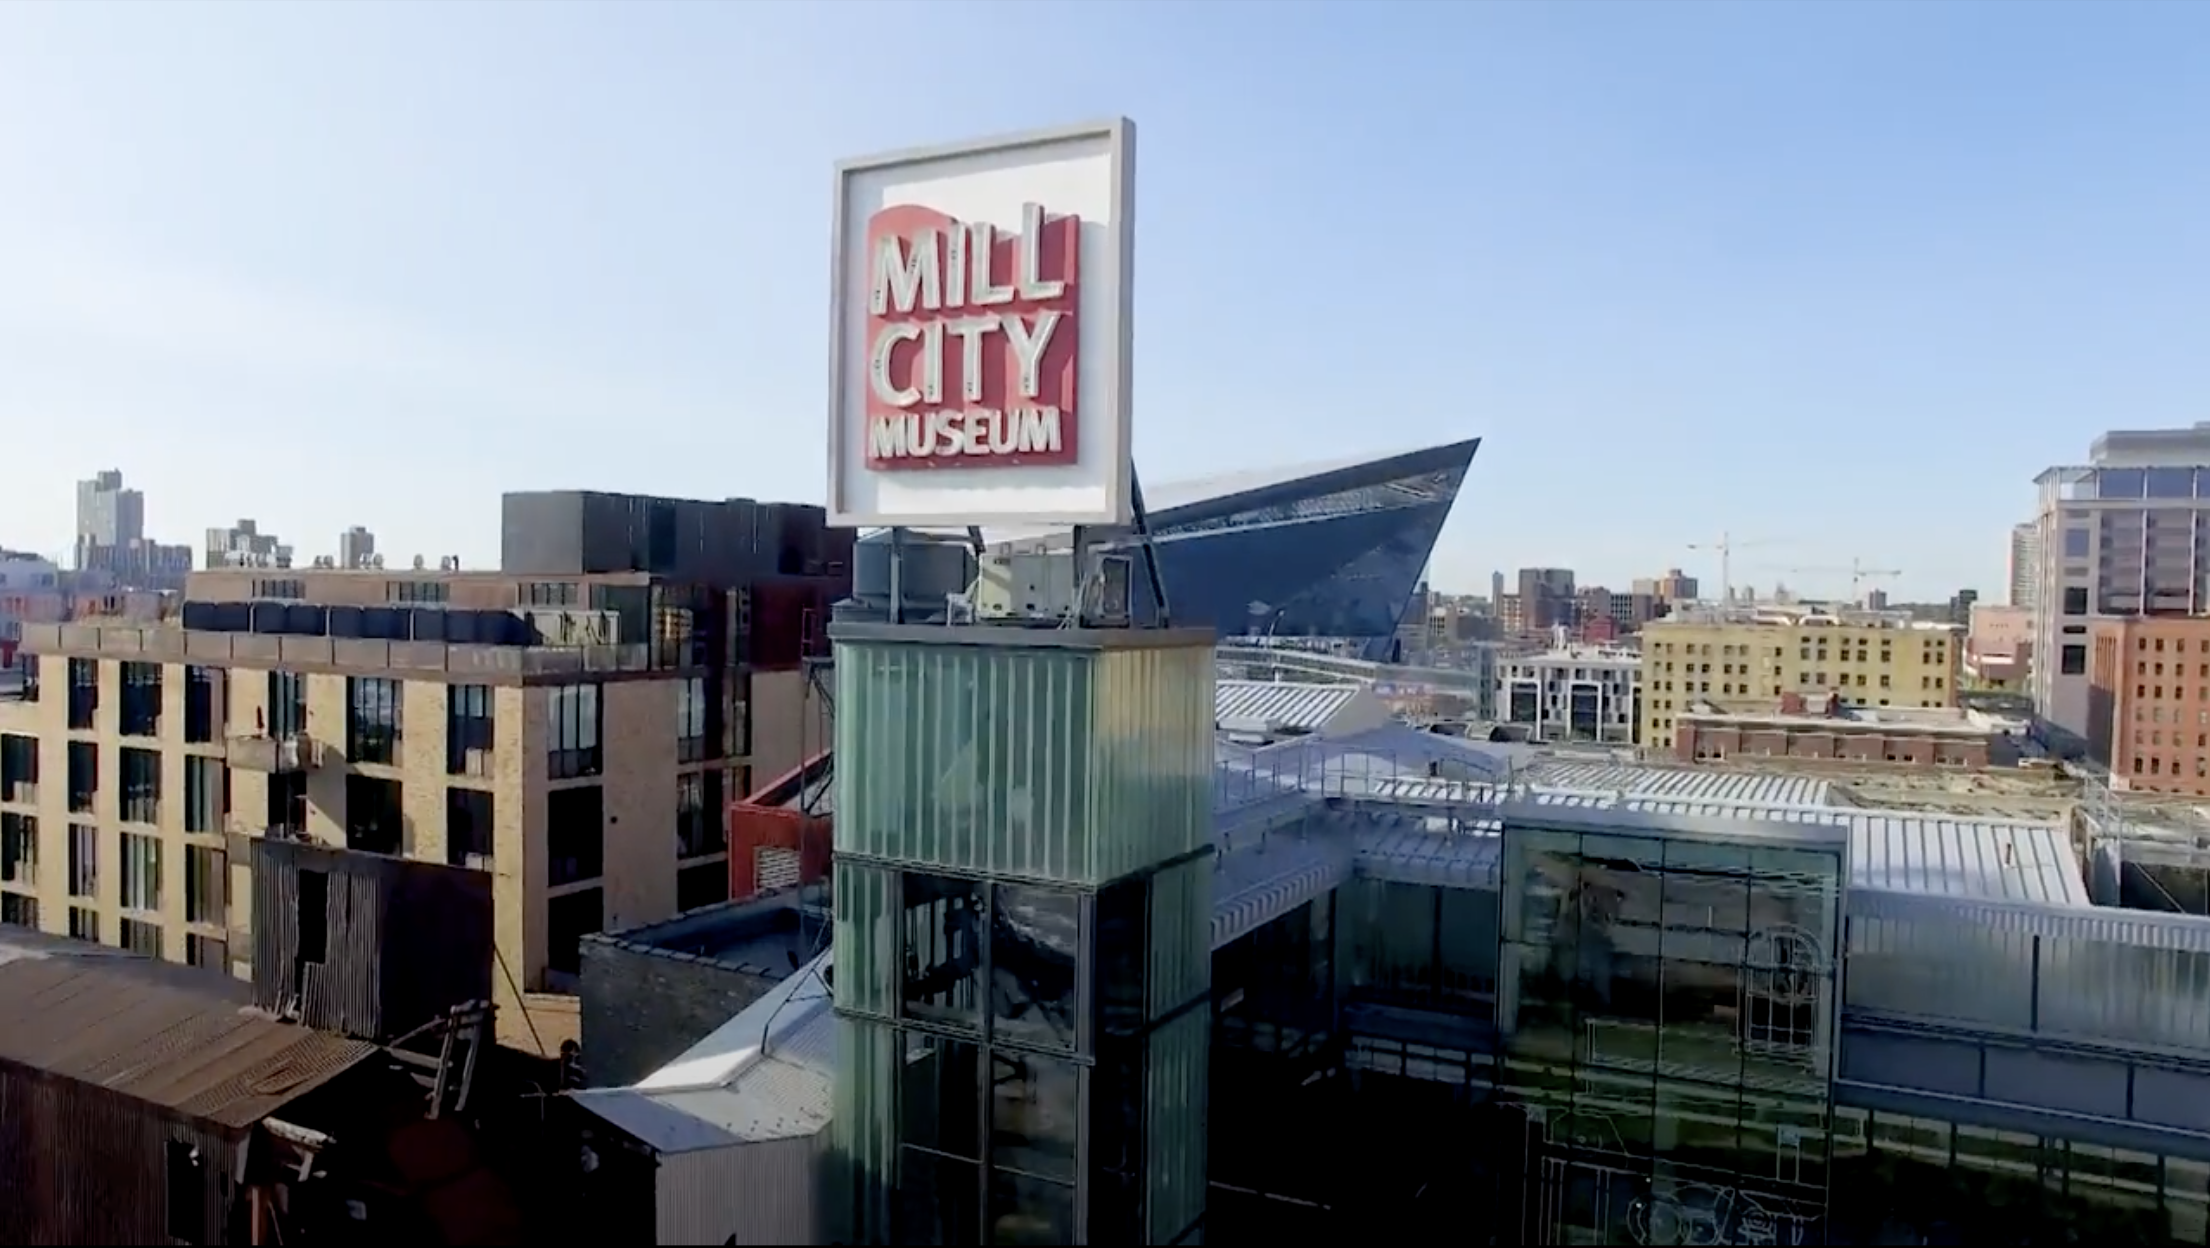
(1176, 1079)
(83, 1165)
(766, 1192)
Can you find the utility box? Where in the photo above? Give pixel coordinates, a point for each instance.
(1046, 588)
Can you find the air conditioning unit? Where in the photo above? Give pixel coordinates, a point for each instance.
(1041, 588)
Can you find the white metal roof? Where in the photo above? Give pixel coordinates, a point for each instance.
(1728, 786)
(1279, 706)
(1984, 859)
(767, 1074)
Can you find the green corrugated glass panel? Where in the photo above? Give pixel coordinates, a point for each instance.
(1152, 751)
(1174, 1114)
(1181, 936)
(866, 944)
(863, 1134)
(968, 757)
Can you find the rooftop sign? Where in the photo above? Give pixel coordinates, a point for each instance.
(980, 333)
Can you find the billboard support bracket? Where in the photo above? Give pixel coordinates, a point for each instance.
(1142, 519)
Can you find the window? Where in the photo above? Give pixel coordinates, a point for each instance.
(2072, 661)
(698, 826)
(285, 808)
(84, 861)
(209, 952)
(141, 871)
(205, 886)
(549, 594)
(84, 923)
(17, 910)
(18, 768)
(468, 730)
(703, 884)
(141, 700)
(28, 665)
(282, 588)
(140, 936)
(287, 711)
(568, 919)
(690, 719)
(372, 719)
(18, 849)
(375, 817)
(2077, 543)
(468, 828)
(84, 693)
(575, 834)
(206, 794)
(573, 723)
(418, 591)
(141, 786)
(200, 704)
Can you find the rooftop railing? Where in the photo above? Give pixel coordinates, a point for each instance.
(455, 660)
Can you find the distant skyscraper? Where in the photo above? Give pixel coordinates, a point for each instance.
(244, 545)
(108, 514)
(1545, 597)
(1496, 591)
(356, 547)
(2025, 563)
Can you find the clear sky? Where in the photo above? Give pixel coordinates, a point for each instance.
(1840, 278)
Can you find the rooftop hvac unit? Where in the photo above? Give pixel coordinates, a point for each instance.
(1041, 588)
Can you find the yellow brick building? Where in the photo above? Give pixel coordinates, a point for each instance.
(1748, 663)
(136, 765)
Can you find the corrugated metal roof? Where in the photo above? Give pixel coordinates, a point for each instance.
(1967, 858)
(179, 1037)
(1725, 786)
(1278, 706)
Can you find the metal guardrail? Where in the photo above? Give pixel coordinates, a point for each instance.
(170, 643)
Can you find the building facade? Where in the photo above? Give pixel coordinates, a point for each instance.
(2149, 703)
(1577, 693)
(2025, 564)
(107, 513)
(1546, 598)
(356, 548)
(244, 545)
(1747, 661)
(2117, 537)
(1915, 738)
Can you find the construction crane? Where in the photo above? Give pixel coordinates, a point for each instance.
(1857, 573)
(1726, 546)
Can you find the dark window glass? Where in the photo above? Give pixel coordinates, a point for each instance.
(698, 815)
(2077, 543)
(141, 712)
(2075, 600)
(209, 952)
(372, 719)
(18, 768)
(286, 809)
(375, 815)
(575, 834)
(18, 849)
(84, 774)
(140, 936)
(1035, 1118)
(939, 1200)
(199, 705)
(287, 711)
(84, 692)
(1025, 1209)
(141, 786)
(940, 1095)
(573, 725)
(1123, 956)
(84, 860)
(568, 919)
(469, 724)
(468, 828)
(2072, 661)
(1116, 1142)
(943, 930)
(17, 910)
(206, 794)
(1035, 935)
(691, 719)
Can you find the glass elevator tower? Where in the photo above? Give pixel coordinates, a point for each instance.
(1023, 950)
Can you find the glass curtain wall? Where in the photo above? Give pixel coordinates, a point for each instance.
(1667, 1008)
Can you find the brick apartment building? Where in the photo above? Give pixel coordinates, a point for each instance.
(2149, 702)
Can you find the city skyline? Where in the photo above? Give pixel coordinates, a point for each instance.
(1810, 274)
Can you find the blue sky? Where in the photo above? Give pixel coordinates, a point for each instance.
(1838, 278)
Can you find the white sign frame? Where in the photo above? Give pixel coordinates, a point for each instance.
(1097, 488)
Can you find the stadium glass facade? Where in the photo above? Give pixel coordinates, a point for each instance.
(1333, 553)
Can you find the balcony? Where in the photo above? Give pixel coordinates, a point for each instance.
(284, 754)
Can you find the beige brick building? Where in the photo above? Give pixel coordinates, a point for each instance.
(134, 766)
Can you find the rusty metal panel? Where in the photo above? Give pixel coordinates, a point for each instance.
(402, 943)
(81, 1164)
(179, 1038)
